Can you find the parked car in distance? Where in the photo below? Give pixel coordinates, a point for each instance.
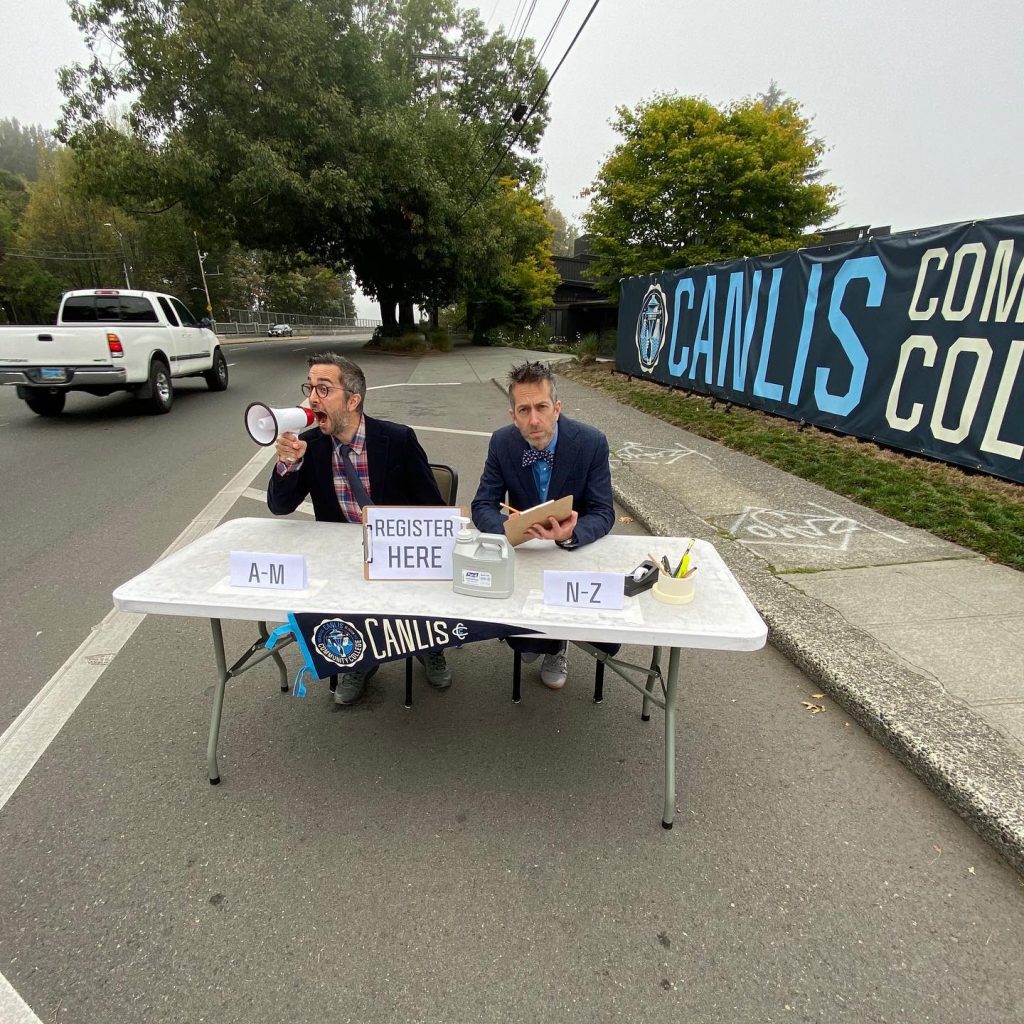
(280, 331)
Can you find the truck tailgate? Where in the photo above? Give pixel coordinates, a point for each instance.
(54, 346)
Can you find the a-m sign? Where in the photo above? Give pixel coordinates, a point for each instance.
(914, 340)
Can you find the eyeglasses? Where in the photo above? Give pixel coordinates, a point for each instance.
(323, 390)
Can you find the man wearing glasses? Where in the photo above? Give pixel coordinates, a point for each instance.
(348, 460)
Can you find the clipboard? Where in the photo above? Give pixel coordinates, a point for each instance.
(516, 526)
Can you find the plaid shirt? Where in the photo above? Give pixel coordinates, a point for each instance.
(349, 506)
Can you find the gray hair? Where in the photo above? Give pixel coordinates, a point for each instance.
(530, 373)
(353, 380)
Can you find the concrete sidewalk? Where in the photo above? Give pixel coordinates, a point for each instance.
(918, 639)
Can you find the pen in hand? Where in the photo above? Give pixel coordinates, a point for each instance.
(509, 508)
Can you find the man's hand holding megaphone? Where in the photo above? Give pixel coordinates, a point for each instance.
(289, 448)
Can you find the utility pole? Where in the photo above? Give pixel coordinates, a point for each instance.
(124, 258)
(202, 271)
(439, 59)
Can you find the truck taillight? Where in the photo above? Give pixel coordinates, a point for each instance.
(115, 346)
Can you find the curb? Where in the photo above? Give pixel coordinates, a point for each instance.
(960, 757)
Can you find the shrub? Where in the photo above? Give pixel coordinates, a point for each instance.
(410, 342)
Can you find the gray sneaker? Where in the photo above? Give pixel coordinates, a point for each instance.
(436, 668)
(554, 670)
(351, 686)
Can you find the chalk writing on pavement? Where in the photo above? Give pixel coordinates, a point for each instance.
(821, 528)
(633, 451)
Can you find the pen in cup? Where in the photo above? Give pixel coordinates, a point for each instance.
(684, 562)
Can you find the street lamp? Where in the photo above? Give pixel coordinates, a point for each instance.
(124, 259)
(202, 271)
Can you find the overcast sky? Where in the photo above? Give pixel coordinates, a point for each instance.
(920, 103)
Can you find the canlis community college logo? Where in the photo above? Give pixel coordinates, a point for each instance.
(339, 642)
(650, 327)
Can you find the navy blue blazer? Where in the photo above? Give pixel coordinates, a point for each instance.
(580, 469)
(399, 473)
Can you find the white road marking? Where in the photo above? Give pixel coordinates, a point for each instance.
(14, 1009)
(452, 430)
(413, 384)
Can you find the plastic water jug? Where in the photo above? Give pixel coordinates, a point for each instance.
(483, 564)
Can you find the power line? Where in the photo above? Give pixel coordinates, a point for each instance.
(522, 31)
(530, 112)
(66, 257)
(500, 130)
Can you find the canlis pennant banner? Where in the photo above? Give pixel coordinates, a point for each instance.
(333, 643)
(914, 340)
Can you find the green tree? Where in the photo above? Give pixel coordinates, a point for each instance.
(313, 126)
(563, 232)
(28, 293)
(692, 183)
(21, 147)
(513, 280)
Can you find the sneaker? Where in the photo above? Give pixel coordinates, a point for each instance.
(351, 686)
(554, 670)
(436, 668)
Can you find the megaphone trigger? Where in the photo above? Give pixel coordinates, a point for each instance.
(264, 425)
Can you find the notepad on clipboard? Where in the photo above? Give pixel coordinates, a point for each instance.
(516, 526)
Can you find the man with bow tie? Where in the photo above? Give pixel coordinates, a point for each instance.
(543, 456)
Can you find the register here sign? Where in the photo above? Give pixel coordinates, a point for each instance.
(409, 543)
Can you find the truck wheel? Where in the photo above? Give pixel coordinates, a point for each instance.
(161, 390)
(217, 376)
(47, 403)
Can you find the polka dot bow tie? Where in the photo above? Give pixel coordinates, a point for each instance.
(531, 455)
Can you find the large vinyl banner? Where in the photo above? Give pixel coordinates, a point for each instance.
(913, 340)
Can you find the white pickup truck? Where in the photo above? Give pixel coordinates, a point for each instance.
(108, 340)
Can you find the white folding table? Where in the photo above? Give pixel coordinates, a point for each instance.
(195, 581)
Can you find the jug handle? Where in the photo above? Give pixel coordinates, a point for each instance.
(498, 543)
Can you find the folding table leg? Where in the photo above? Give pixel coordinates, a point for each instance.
(408, 682)
(598, 682)
(517, 674)
(645, 710)
(672, 684)
(218, 702)
(278, 660)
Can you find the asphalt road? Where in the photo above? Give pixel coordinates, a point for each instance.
(467, 860)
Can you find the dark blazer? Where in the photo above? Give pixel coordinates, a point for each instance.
(399, 473)
(580, 469)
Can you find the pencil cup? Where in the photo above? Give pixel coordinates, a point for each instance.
(670, 590)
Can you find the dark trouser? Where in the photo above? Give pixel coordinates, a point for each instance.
(528, 645)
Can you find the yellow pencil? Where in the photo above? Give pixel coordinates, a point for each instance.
(684, 563)
(514, 511)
